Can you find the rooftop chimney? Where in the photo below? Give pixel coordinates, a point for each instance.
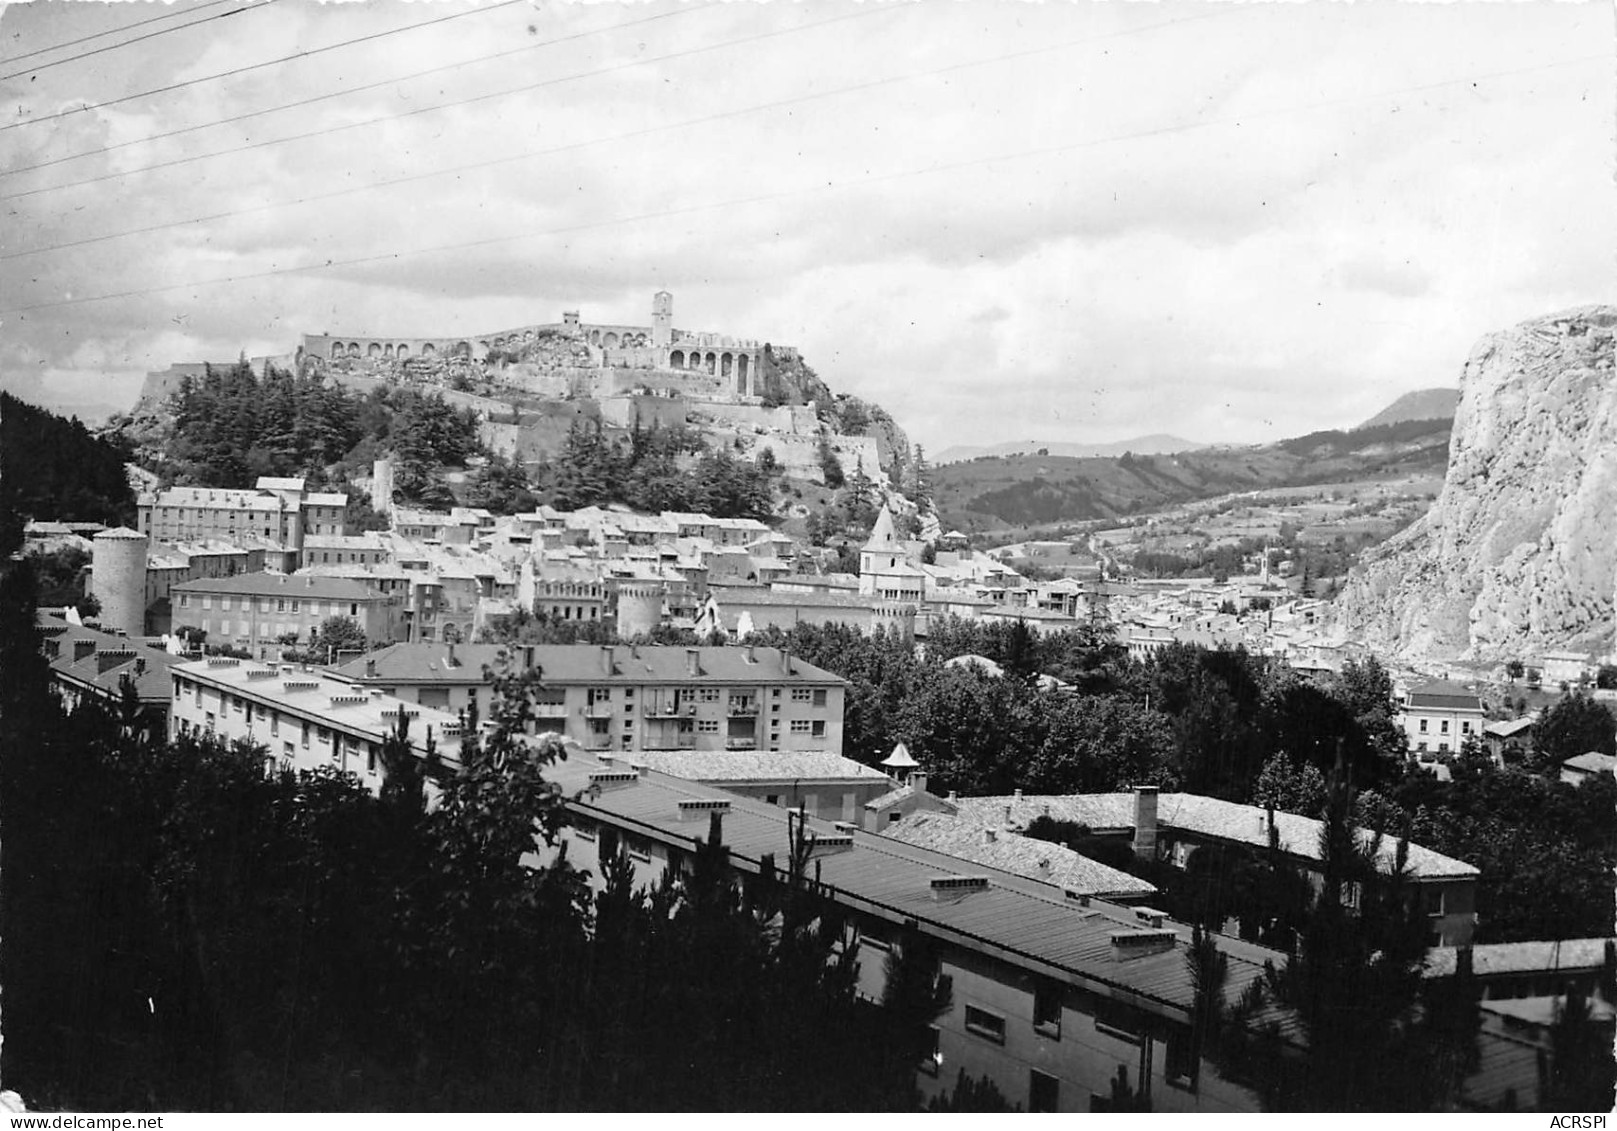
(370, 669)
(954, 795)
(989, 837)
(918, 781)
(785, 661)
(693, 662)
(1145, 822)
(1018, 795)
(527, 657)
(451, 662)
(607, 667)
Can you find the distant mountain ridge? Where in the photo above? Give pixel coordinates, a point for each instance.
(1156, 444)
(1000, 492)
(1422, 404)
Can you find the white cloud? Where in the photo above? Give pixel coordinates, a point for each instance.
(1228, 230)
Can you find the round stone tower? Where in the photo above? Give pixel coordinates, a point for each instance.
(640, 608)
(118, 564)
(894, 617)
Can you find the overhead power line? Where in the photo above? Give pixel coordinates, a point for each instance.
(787, 194)
(114, 31)
(326, 131)
(260, 66)
(131, 42)
(616, 138)
(345, 91)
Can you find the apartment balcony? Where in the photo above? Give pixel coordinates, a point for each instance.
(599, 711)
(597, 742)
(741, 744)
(667, 710)
(550, 710)
(743, 710)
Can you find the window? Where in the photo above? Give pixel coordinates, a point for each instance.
(275, 722)
(297, 603)
(771, 799)
(985, 1024)
(801, 695)
(1180, 1068)
(707, 726)
(280, 604)
(708, 694)
(1043, 1092)
(819, 698)
(305, 736)
(370, 759)
(818, 728)
(353, 608)
(800, 726)
(1433, 900)
(236, 704)
(1465, 726)
(637, 848)
(210, 722)
(1423, 723)
(1118, 1020)
(1047, 998)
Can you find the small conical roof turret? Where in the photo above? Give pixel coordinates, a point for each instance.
(900, 759)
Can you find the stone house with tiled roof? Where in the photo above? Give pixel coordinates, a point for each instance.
(1438, 717)
(1173, 827)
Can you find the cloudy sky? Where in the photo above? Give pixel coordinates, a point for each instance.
(1068, 221)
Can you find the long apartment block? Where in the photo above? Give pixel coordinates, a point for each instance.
(630, 697)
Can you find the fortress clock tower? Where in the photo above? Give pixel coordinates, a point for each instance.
(662, 320)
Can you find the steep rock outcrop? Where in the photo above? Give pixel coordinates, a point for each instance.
(1519, 552)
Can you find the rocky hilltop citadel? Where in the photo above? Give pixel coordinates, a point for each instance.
(1519, 552)
(529, 382)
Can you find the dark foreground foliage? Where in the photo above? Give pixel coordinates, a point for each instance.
(185, 932)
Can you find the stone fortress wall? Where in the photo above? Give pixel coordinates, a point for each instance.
(566, 358)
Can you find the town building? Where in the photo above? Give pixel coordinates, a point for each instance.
(1509, 740)
(886, 568)
(826, 785)
(89, 663)
(1051, 993)
(1582, 767)
(631, 697)
(1564, 667)
(302, 717)
(280, 510)
(1173, 827)
(1438, 717)
(257, 611)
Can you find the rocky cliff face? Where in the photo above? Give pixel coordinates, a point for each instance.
(1519, 552)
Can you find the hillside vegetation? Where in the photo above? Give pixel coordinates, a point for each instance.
(54, 468)
(994, 492)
